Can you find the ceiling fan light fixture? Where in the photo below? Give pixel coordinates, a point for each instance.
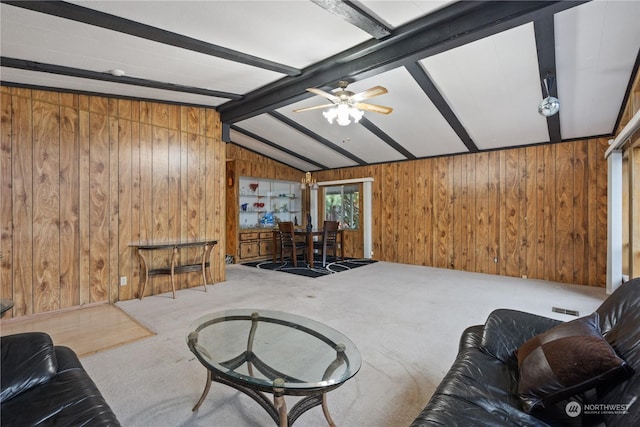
(342, 114)
(356, 114)
(347, 106)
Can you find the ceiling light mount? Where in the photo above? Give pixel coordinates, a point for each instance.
(550, 105)
(344, 110)
(343, 113)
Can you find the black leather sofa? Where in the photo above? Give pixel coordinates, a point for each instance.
(45, 385)
(484, 385)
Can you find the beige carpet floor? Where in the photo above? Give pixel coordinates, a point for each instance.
(405, 320)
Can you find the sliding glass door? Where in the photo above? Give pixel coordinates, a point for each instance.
(342, 204)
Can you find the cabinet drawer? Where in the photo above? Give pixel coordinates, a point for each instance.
(266, 247)
(248, 236)
(266, 235)
(248, 249)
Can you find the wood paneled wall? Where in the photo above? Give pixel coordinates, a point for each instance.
(253, 164)
(82, 177)
(243, 162)
(538, 211)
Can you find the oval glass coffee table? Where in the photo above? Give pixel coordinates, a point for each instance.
(262, 351)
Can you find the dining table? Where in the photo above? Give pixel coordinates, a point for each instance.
(308, 236)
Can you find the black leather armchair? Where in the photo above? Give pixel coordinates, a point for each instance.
(45, 385)
(481, 388)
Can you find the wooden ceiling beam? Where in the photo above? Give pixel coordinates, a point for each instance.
(62, 70)
(287, 121)
(126, 26)
(445, 29)
(386, 138)
(426, 84)
(546, 47)
(355, 15)
(274, 145)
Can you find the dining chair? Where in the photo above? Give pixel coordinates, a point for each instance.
(289, 243)
(329, 240)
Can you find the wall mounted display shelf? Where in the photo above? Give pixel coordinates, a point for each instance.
(262, 203)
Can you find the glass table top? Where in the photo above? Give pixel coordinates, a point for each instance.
(255, 347)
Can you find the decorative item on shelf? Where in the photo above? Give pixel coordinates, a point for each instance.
(550, 105)
(295, 220)
(309, 224)
(308, 181)
(267, 220)
(253, 187)
(244, 207)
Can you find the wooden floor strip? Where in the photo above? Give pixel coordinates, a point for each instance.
(86, 330)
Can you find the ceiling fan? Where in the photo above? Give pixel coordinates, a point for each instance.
(346, 104)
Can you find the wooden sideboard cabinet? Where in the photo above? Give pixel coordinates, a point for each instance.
(265, 243)
(255, 203)
(255, 244)
(249, 245)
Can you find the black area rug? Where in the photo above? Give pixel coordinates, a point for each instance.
(317, 271)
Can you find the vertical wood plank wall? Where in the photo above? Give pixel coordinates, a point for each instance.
(82, 177)
(249, 163)
(242, 162)
(538, 211)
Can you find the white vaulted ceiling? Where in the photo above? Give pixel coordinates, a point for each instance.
(462, 76)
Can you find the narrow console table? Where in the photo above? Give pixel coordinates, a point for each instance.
(173, 268)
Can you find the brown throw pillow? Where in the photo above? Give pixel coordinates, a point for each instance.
(566, 360)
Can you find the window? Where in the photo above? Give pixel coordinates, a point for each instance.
(342, 203)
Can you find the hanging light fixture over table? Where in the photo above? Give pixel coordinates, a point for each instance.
(308, 181)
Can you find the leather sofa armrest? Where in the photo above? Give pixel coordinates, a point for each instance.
(471, 337)
(623, 301)
(67, 359)
(28, 360)
(506, 330)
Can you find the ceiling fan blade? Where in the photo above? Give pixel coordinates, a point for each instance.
(374, 108)
(317, 107)
(323, 94)
(369, 93)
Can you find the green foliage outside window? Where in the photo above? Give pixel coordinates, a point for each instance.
(342, 203)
